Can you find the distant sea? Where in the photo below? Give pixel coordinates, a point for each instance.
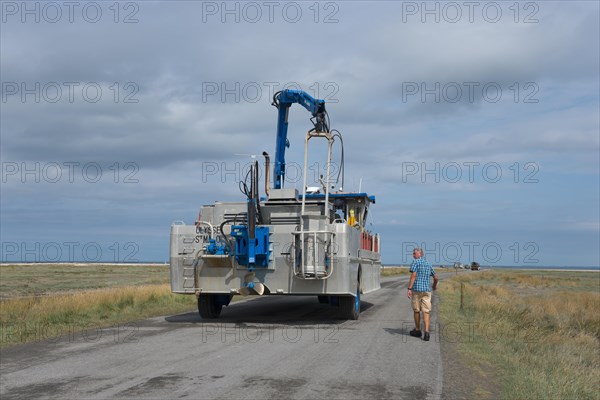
(516, 267)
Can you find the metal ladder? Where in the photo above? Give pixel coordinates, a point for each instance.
(313, 254)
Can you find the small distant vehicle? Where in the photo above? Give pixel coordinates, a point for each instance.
(475, 266)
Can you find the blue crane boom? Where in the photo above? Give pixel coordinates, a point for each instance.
(283, 101)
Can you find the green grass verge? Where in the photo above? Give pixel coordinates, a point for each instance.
(29, 319)
(41, 301)
(539, 330)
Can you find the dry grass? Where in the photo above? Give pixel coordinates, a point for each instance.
(40, 301)
(26, 319)
(393, 271)
(18, 280)
(540, 331)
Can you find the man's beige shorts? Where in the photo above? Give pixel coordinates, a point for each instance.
(421, 301)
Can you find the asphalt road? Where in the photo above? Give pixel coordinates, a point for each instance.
(264, 348)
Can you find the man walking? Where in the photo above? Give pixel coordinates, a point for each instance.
(419, 291)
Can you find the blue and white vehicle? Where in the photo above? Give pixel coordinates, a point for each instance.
(313, 243)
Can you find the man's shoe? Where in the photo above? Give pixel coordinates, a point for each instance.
(415, 333)
(426, 337)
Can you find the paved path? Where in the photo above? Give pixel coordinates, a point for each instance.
(265, 348)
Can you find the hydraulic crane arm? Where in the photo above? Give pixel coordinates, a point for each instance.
(283, 101)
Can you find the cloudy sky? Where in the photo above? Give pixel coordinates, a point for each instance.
(475, 125)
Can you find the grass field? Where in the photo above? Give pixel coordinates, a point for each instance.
(538, 330)
(393, 271)
(17, 280)
(44, 300)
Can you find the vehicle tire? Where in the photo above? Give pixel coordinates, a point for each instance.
(323, 299)
(350, 305)
(208, 307)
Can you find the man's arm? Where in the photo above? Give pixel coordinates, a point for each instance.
(435, 282)
(411, 282)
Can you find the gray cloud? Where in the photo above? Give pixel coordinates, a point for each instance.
(171, 62)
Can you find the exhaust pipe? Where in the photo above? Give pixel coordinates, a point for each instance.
(267, 173)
